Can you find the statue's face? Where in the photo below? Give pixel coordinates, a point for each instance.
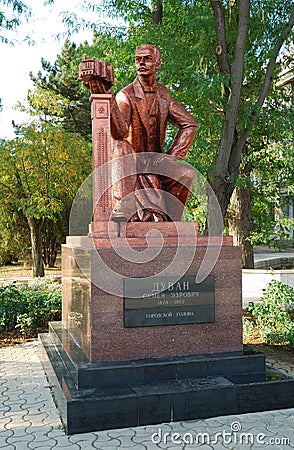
(147, 62)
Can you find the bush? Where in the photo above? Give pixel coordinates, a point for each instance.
(273, 315)
(29, 307)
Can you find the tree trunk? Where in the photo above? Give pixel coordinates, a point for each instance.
(227, 160)
(157, 12)
(49, 244)
(240, 223)
(49, 251)
(36, 243)
(231, 147)
(219, 194)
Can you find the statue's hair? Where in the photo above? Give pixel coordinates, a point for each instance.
(153, 47)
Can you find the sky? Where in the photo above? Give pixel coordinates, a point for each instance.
(19, 60)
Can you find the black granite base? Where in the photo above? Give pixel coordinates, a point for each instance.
(100, 396)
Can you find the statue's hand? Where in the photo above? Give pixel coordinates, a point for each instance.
(97, 76)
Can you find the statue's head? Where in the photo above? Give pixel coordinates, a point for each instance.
(147, 60)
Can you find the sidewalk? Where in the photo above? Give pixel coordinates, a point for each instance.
(30, 420)
(266, 258)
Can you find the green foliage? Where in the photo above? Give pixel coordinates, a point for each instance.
(33, 165)
(59, 96)
(187, 41)
(29, 307)
(14, 238)
(40, 172)
(272, 189)
(248, 326)
(272, 315)
(11, 13)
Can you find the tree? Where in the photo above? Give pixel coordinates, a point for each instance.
(11, 13)
(14, 238)
(234, 140)
(60, 97)
(59, 94)
(265, 181)
(41, 170)
(272, 191)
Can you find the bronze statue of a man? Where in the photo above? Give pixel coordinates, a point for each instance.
(157, 186)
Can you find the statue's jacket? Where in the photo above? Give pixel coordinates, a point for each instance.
(130, 121)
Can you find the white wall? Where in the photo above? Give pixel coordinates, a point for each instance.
(254, 280)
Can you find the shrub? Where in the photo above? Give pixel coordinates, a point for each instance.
(273, 315)
(29, 307)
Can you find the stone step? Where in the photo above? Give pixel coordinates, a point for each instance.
(136, 404)
(236, 367)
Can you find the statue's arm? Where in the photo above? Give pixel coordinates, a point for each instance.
(120, 116)
(187, 129)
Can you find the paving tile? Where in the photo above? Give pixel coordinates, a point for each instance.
(4, 409)
(64, 443)
(149, 445)
(19, 432)
(141, 438)
(41, 434)
(84, 445)
(123, 432)
(53, 422)
(107, 444)
(16, 421)
(282, 417)
(55, 433)
(17, 403)
(16, 440)
(4, 420)
(108, 447)
(173, 447)
(102, 437)
(3, 441)
(218, 446)
(76, 438)
(127, 442)
(33, 401)
(9, 447)
(163, 426)
(22, 446)
(36, 419)
(187, 426)
(49, 443)
(50, 409)
(3, 389)
(140, 431)
(4, 433)
(45, 447)
(35, 411)
(31, 420)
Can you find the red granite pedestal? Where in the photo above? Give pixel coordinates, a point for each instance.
(95, 318)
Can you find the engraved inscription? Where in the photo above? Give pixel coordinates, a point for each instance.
(168, 301)
(102, 152)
